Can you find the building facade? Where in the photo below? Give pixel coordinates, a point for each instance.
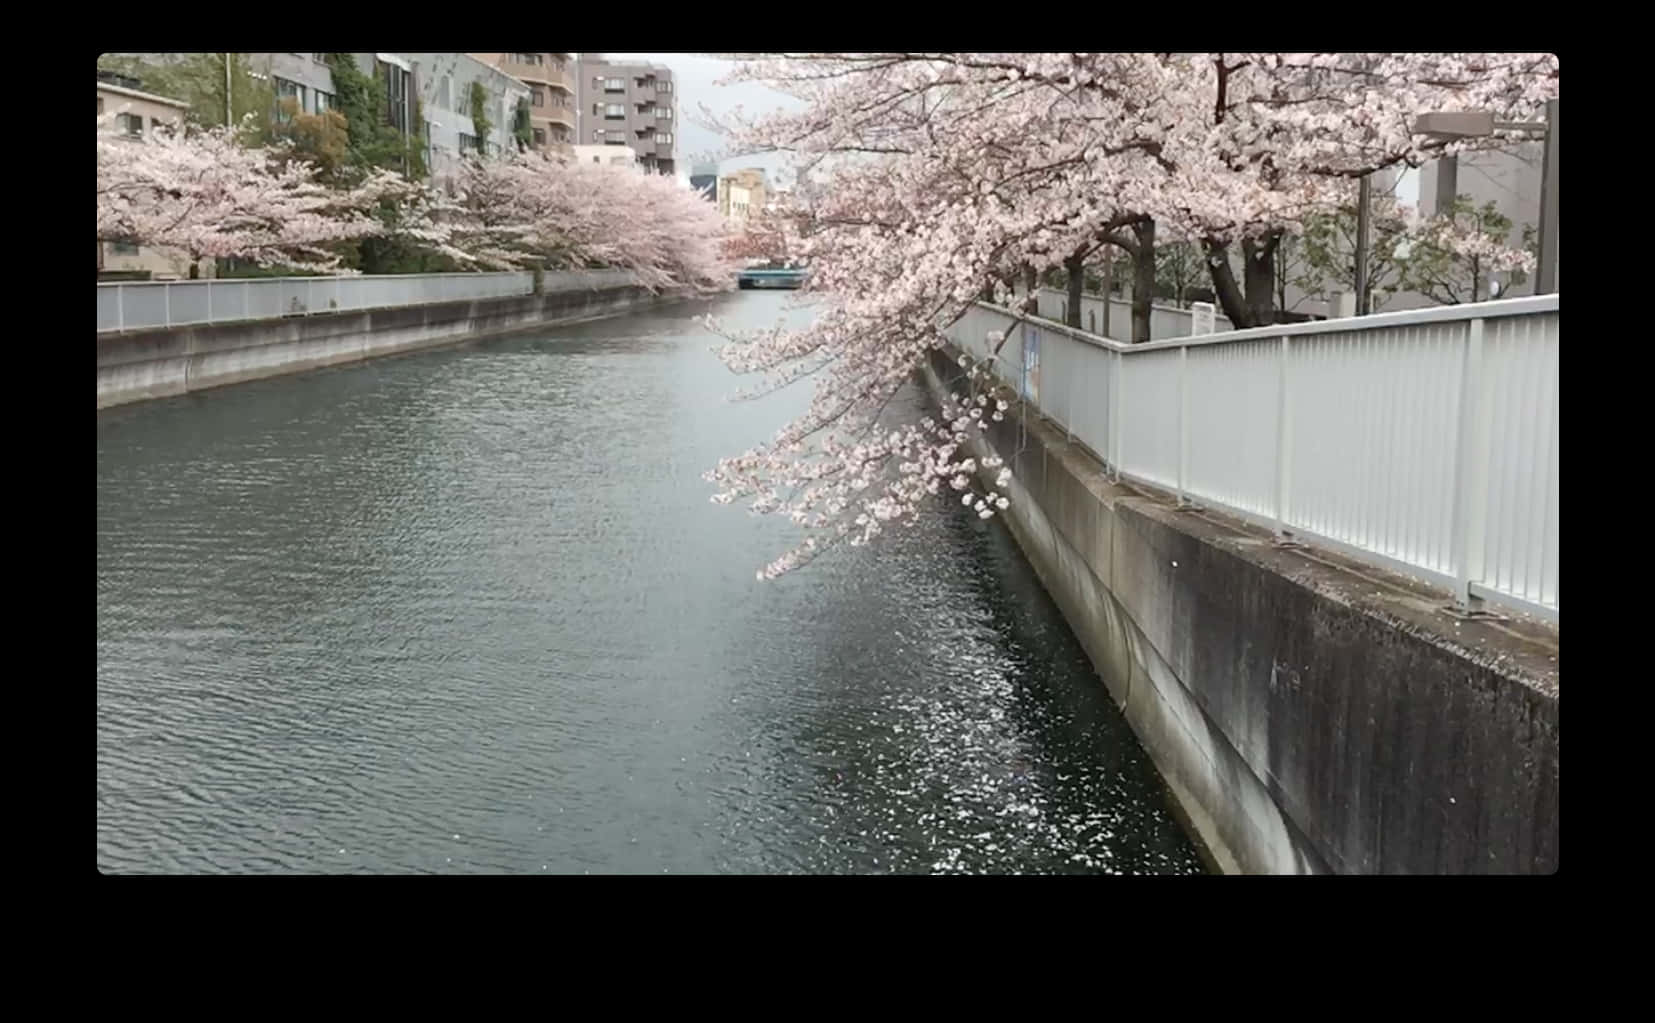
(630, 105)
(550, 78)
(614, 156)
(742, 195)
(139, 114)
(445, 83)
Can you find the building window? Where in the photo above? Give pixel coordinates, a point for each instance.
(324, 101)
(597, 135)
(614, 85)
(530, 58)
(320, 58)
(615, 111)
(537, 96)
(100, 106)
(539, 136)
(396, 97)
(286, 90)
(123, 249)
(134, 125)
(663, 138)
(664, 114)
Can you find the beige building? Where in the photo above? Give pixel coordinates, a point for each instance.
(742, 195)
(551, 81)
(140, 113)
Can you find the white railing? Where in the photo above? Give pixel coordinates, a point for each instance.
(1424, 441)
(145, 305)
(1165, 321)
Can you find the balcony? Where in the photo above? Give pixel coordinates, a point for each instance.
(547, 73)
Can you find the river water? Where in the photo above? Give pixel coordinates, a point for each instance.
(471, 611)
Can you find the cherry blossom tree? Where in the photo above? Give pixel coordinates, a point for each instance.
(200, 193)
(961, 172)
(533, 210)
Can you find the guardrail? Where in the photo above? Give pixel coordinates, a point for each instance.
(1424, 441)
(1165, 321)
(145, 305)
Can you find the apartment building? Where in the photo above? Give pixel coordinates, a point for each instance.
(550, 78)
(630, 105)
(139, 114)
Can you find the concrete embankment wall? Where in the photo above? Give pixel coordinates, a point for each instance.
(1309, 714)
(139, 365)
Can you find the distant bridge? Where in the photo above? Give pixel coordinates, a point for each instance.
(770, 278)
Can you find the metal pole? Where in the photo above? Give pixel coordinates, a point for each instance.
(1545, 278)
(1448, 183)
(227, 117)
(1364, 200)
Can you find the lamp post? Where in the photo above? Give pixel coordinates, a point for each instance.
(1479, 124)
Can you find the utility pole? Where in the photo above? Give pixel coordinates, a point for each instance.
(1545, 278)
(1364, 200)
(227, 115)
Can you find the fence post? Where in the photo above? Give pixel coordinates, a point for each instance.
(1183, 423)
(120, 307)
(1284, 445)
(1117, 442)
(166, 297)
(209, 290)
(1471, 471)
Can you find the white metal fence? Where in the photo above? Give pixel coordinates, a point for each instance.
(141, 305)
(1424, 441)
(1165, 321)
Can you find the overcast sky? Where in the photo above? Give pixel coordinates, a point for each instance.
(693, 76)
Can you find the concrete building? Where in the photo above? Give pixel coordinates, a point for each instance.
(628, 105)
(742, 195)
(550, 78)
(444, 82)
(615, 156)
(140, 113)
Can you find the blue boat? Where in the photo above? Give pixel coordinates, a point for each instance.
(770, 278)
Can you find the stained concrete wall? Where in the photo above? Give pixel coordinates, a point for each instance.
(1309, 714)
(144, 364)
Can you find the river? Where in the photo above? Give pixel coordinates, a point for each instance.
(471, 611)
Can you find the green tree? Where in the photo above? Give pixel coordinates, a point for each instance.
(1179, 266)
(1328, 261)
(521, 127)
(199, 80)
(1464, 259)
(479, 116)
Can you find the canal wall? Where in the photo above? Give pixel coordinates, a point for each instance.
(160, 362)
(1309, 714)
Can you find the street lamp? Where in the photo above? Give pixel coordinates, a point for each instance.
(1479, 124)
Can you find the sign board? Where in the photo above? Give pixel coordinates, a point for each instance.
(1202, 319)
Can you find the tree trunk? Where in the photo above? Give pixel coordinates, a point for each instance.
(1225, 288)
(1031, 280)
(1143, 280)
(1076, 266)
(1260, 275)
